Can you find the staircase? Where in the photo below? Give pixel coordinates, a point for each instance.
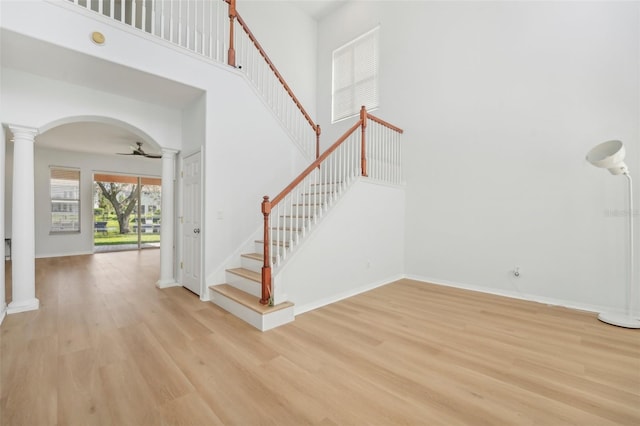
(250, 289)
(241, 294)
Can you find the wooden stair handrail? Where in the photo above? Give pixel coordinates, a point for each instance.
(385, 124)
(235, 16)
(267, 205)
(314, 165)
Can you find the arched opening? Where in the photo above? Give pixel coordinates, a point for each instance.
(101, 178)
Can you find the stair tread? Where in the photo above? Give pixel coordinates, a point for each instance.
(254, 256)
(247, 300)
(246, 273)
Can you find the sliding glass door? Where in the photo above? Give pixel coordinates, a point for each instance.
(127, 213)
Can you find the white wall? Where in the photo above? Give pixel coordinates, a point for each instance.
(248, 155)
(357, 246)
(40, 102)
(500, 102)
(289, 36)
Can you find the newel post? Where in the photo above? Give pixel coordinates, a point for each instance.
(266, 266)
(363, 119)
(231, 58)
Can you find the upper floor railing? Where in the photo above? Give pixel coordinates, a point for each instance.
(374, 151)
(207, 27)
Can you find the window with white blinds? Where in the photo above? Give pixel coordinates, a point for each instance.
(65, 199)
(355, 76)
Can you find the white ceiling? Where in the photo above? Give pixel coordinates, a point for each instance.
(318, 9)
(93, 137)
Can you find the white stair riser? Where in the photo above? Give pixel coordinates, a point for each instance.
(261, 322)
(254, 265)
(244, 284)
(291, 222)
(326, 187)
(284, 235)
(260, 248)
(322, 198)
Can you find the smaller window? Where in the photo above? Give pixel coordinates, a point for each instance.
(65, 199)
(355, 76)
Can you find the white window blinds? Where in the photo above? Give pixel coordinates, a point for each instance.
(355, 76)
(65, 200)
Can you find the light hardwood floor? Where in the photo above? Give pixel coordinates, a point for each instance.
(108, 348)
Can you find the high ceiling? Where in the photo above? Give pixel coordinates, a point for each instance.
(318, 9)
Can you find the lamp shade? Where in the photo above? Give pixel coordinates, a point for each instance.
(609, 155)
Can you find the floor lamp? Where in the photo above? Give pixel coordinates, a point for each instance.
(610, 155)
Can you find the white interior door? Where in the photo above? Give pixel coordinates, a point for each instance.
(191, 242)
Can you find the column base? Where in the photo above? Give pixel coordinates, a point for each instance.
(23, 306)
(3, 312)
(167, 283)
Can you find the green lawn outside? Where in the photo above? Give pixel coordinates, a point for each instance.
(113, 237)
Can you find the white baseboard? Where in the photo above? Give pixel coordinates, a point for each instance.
(3, 313)
(77, 253)
(167, 283)
(24, 306)
(513, 294)
(344, 295)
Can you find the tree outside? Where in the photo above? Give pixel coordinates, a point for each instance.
(116, 211)
(123, 198)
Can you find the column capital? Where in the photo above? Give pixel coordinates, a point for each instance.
(168, 152)
(22, 132)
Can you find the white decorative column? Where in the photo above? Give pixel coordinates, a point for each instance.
(23, 266)
(167, 277)
(3, 300)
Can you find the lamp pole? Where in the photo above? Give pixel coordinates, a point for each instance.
(610, 155)
(631, 296)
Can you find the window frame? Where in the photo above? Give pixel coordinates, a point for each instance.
(63, 201)
(352, 87)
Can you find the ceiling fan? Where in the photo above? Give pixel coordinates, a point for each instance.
(137, 150)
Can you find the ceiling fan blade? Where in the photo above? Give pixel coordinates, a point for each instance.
(137, 150)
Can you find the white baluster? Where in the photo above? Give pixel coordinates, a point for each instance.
(143, 15)
(189, 31)
(154, 15)
(134, 13)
